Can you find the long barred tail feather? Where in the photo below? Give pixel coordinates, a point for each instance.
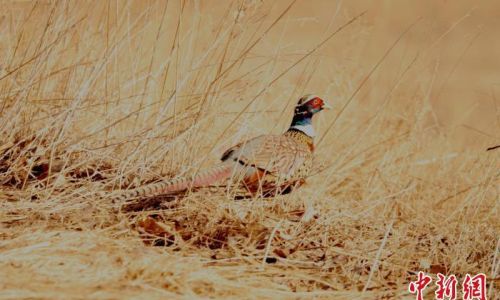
(204, 178)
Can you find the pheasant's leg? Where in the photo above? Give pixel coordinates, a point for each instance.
(283, 189)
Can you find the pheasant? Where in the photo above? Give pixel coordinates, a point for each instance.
(269, 164)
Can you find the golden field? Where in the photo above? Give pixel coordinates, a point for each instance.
(97, 96)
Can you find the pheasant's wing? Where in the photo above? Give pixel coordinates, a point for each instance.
(277, 154)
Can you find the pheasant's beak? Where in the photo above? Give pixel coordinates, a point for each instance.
(326, 105)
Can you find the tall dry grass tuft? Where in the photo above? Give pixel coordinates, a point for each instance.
(98, 96)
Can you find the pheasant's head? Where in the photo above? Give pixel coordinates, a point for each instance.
(305, 109)
(310, 104)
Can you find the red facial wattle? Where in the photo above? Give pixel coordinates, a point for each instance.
(316, 104)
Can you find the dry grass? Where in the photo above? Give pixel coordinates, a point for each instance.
(97, 96)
